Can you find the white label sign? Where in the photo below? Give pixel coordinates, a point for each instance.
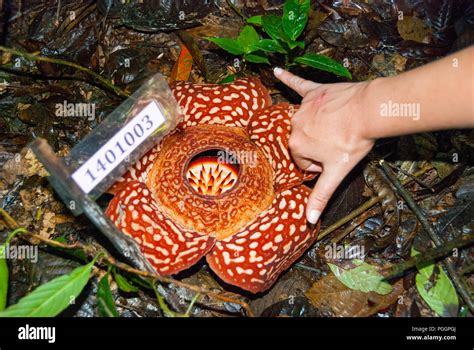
(118, 147)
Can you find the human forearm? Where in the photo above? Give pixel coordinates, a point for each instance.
(436, 96)
(336, 124)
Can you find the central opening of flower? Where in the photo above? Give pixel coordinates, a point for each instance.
(213, 172)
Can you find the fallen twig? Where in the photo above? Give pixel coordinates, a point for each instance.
(448, 264)
(430, 255)
(352, 226)
(413, 177)
(352, 215)
(107, 84)
(360, 210)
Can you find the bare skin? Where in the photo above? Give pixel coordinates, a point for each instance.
(337, 124)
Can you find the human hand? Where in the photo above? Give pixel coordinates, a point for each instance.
(327, 134)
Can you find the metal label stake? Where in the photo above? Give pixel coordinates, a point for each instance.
(101, 158)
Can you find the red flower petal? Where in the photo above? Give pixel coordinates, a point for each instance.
(254, 258)
(169, 248)
(229, 104)
(270, 129)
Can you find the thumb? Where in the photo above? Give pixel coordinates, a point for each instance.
(300, 85)
(308, 164)
(325, 187)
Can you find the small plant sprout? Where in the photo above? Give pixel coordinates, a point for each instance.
(271, 39)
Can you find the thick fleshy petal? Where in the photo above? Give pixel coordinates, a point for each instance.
(138, 171)
(270, 129)
(169, 248)
(254, 258)
(217, 215)
(229, 104)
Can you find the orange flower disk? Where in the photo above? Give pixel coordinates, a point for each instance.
(223, 185)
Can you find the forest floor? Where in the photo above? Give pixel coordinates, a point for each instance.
(126, 46)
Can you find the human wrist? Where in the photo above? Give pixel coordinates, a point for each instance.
(389, 109)
(368, 108)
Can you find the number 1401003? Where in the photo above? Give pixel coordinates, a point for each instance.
(119, 147)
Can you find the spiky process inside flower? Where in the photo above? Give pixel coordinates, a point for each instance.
(223, 186)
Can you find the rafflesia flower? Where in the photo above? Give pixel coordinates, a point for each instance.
(223, 186)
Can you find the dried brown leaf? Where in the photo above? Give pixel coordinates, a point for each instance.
(288, 288)
(388, 64)
(414, 28)
(329, 295)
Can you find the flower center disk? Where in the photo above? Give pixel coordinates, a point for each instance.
(213, 172)
(201, 184)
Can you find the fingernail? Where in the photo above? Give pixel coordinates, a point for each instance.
(277, 70)
(313, 168)
(313, 216)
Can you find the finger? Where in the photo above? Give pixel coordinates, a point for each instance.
(308, 165)
(301, 160)
(300, 85)
(314, 168)
(322, 192)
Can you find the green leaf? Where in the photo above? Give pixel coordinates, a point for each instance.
(255, 20)
(230, 45)
(124, 284)
(4, 274)
(364, 278)
(270, 45)
(438, 293)
(227, 79)
(273, 27)
(142, 282)
(257, 59)
(248, 38)
(3, 280)
(295, 17)
(105, 300)
(324, 63)
(292, 44)
(49, 299)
